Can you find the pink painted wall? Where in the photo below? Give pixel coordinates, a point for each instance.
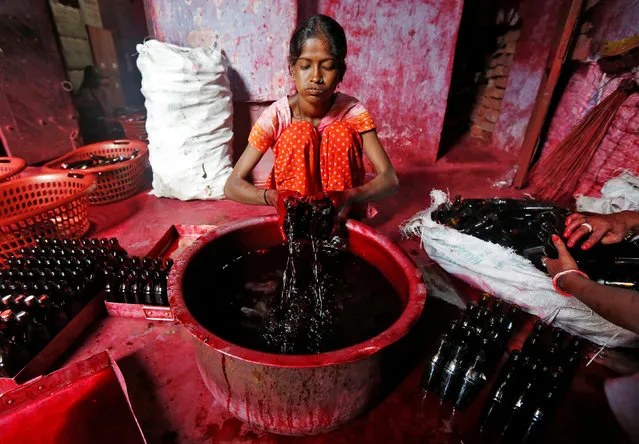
(399, 62)
(539, 24)
(254, 34)
(400, 59)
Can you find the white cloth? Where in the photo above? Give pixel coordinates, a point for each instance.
(618, 194)
(503, 273)
(189, 119)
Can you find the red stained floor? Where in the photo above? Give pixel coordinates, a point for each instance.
(172, 403)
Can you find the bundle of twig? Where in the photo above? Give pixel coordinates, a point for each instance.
(556, 176)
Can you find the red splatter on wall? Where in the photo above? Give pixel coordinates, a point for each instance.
(539, 19)
(399, 63)
(400, 59)
(253, 34)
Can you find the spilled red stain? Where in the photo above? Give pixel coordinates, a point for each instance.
(228, 384)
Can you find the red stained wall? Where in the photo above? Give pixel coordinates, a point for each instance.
(399, 63)
(539, 21)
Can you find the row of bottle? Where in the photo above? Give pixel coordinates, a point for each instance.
(529, 387)
(469, 351)
(27, 324)
(61, 269)
(140, 281)
(527, 227)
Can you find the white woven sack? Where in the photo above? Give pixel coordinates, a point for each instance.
(503, 273)
(189, 119)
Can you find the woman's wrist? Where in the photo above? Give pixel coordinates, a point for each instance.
(568, 283)
(270, 197)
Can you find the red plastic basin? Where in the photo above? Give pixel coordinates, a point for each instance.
(297, 394)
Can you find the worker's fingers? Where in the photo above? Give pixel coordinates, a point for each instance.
(595, 237)
(580, 232)
(559, 244)
(574, 216)
(573, 222)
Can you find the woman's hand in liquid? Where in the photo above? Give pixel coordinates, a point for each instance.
(277, 200)
(606, 228)
(341, 202)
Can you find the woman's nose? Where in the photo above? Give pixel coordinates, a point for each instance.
(316, 76)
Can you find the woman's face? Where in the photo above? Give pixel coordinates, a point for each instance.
(315, 72)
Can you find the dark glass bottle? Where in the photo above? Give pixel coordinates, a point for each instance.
(432, 372)
(54, 316)
(523, 401)
(498, 306)
(496, 407)
(13, 357)
(451, 371)
(160, 288)
(532, 427)
(558, 336)
(484, 300)
(10, 328)
(533, 341)
(36, 334)
(473, 377)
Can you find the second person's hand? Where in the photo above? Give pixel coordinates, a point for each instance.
(604, 228)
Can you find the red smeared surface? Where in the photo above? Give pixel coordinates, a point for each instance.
(400, 57)
(615, 20)
(539, 20)
(171, 400)
(257, 54)
(75, 400)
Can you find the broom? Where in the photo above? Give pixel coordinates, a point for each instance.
(556, 176)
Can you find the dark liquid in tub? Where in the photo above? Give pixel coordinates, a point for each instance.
(243, 301)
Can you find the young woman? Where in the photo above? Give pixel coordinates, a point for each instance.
(318, 136)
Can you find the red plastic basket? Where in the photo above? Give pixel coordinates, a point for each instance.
(114, 182)
(47, 205)
(10, 168)
(134, 128)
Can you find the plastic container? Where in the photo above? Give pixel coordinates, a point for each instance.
(134, 126)
(114, 182)
(84, 402)
(10, 168)
(46, 205)
(295, 394)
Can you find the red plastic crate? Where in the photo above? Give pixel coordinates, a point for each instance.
(85, 402)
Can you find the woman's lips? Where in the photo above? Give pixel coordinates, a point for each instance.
(315, 91)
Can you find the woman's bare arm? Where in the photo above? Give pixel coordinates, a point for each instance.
(239, 189)
(386, 181)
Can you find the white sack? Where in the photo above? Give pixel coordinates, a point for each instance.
(503, 273)
(618, 194)
(189, 119)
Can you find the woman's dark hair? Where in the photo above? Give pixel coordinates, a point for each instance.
(91, 78)
(323, 27)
